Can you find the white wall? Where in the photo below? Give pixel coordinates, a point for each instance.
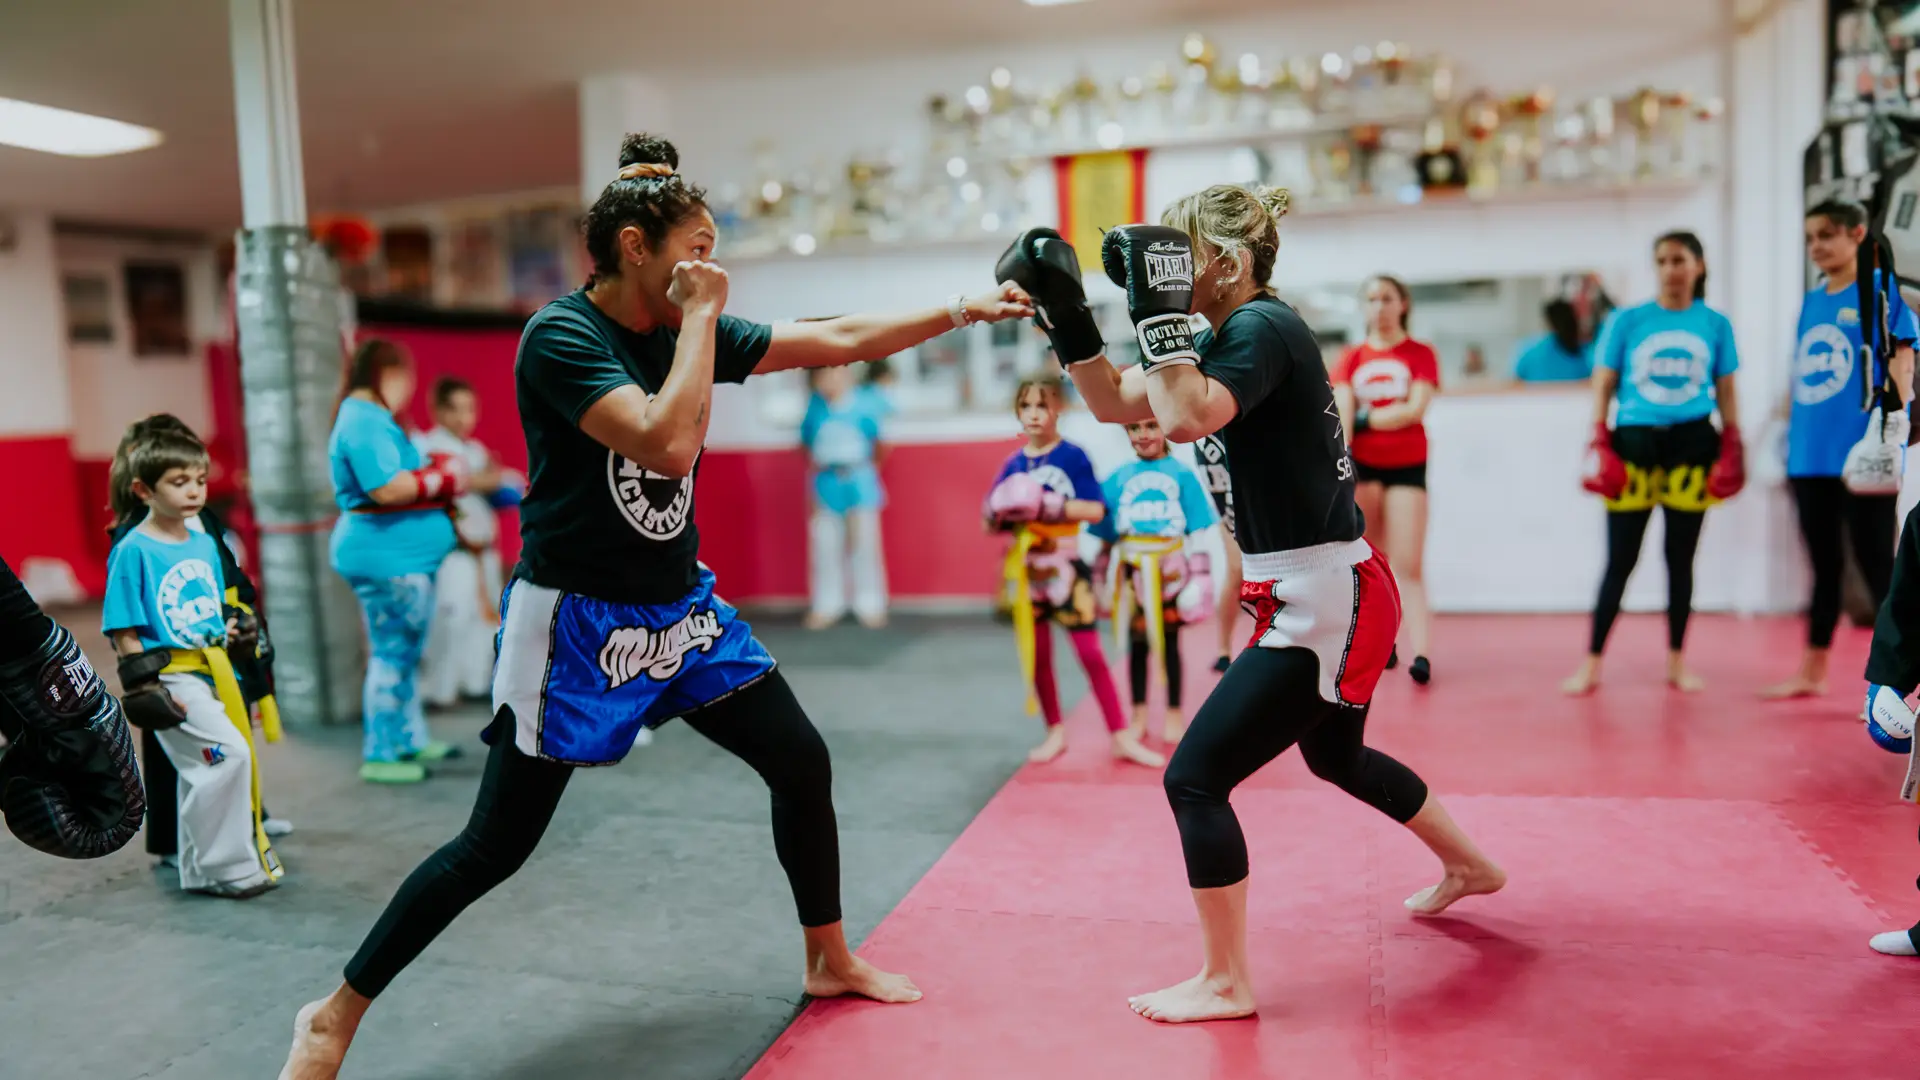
(33, 332)
(111, 386)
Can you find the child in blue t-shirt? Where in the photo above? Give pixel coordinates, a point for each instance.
(1558, 355)
(1827, 412)
(1045, 492)
(1662, 369)
(1158, 504)
(841, 432)
(165, 614)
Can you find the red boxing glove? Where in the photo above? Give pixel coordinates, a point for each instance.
(1605, 474)
(1729, 474)
(440, 479)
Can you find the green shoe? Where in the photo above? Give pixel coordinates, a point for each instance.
(392, 772)
(435, 751)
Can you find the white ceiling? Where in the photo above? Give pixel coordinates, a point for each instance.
(406, 101)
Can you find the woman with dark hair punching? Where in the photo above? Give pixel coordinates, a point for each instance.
(1324, 605)
(1383, 387)
(1670, 364)
(611, 623)
(1834, 371)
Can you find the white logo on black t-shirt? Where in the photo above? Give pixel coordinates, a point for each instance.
(656, 506)
(632, 651)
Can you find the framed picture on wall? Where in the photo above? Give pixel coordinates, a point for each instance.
(157, 308)
(89, 302)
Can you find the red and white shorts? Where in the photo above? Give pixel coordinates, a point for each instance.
(1338, 600)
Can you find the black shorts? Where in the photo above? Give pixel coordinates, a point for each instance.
(1667, 465)
(1414, 476)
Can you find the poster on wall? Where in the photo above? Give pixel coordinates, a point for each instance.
(89, 303)
(157, 308)
(474, 264)
(537, 242)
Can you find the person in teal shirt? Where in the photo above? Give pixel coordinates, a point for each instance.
(394, 529)
(1662, 368)
(1826, 412)
(1157, 503)
(841, 432)
(1558, 355)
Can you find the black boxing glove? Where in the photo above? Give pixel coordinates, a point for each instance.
(1154, 264)
(147, 703)
(243, 632)
(69, 783)
(1046, 266)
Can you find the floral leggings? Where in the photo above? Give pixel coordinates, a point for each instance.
(398, 611)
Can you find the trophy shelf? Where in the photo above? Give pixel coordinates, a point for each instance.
(1310, 209)
(1227, 137)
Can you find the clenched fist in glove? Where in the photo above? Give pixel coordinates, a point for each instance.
(1196, 600)
(1021, 498)
(1605, 474)
(69, 784)
(1729, 472)
(1154, 264)
(1876, 462)
(1046, 266)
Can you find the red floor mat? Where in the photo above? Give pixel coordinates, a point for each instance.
(1693, 882)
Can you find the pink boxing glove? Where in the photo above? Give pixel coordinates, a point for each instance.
(1174, 569)
(1022, 498)
(1196, 600)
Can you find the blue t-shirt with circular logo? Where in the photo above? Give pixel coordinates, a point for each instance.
(169, 593)
(1668, 362)
(1829, 364)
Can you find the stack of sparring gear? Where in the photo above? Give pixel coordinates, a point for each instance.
(1875, 465)
(69, 782)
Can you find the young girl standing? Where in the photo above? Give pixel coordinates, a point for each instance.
(841, 432)
(1045, 492)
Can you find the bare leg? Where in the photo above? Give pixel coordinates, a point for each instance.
(1173, 726)
(1224, 989)
(1582, 681)
(833, 970)
(1809, 681)
(1468, 871)
(322, 1031)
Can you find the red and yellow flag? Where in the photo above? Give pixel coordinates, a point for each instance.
(1099, 191)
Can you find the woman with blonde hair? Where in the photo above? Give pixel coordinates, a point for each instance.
(1324, 604)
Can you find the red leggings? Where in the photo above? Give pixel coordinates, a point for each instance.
(1092, 658)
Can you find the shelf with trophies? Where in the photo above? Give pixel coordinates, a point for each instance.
(1376, 130)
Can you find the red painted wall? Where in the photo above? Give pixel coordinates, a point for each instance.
(45, 516)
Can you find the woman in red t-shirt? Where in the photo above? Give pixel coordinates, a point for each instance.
(1384, 385)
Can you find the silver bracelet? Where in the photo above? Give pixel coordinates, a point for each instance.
(957, 311)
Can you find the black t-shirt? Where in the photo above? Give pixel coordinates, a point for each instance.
(1286, 455)
(593, 522)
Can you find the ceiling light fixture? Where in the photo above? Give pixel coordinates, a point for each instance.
(74, 134)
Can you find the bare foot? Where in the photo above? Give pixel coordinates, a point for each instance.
(1582, 682)
(1173, 727)
(1686, 681)
(873, 622)
(1127, 747)
(856, 976)
(817, 621)
(317, 1053)
(1199, 998)
(1797, 687)
(1459, 883)
(1051, 747)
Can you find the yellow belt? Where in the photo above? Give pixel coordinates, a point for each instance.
(269, 708)
(1015, 572)
(1145, 552)
(214, 663)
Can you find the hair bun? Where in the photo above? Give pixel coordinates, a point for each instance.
(643, 149)
(1277, 200)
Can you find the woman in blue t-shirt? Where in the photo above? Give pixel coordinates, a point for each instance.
(1662, 368)
(1826, 413)
(394, 529)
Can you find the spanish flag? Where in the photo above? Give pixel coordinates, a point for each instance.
(1096, 192)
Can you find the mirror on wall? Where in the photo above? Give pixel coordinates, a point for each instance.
(1488, 332)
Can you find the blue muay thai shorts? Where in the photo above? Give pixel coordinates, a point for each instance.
(583, 676)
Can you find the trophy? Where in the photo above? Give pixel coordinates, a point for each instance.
(1330, 163)
(1336, 96)
(1130, 108)
(1439, 165)
(1399, 95)
(1480, 119)
(1291, 107)
(1367, 139)
(1193, 100)
(1250, 108)
(1567, 163)
(1163, 88)
(1002, 110)
(1086, 112)
(1705, 154)
(1676, 123)
(1602, 154)
(1532, 110)
(1643, 113)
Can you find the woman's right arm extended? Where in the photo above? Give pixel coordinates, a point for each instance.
(663, 432)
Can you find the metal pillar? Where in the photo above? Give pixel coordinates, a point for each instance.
(292, 316)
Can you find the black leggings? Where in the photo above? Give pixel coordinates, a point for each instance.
(762, 725)
(1824, 502)
(1267, 701)
(1140, 652)
(1625, 530)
